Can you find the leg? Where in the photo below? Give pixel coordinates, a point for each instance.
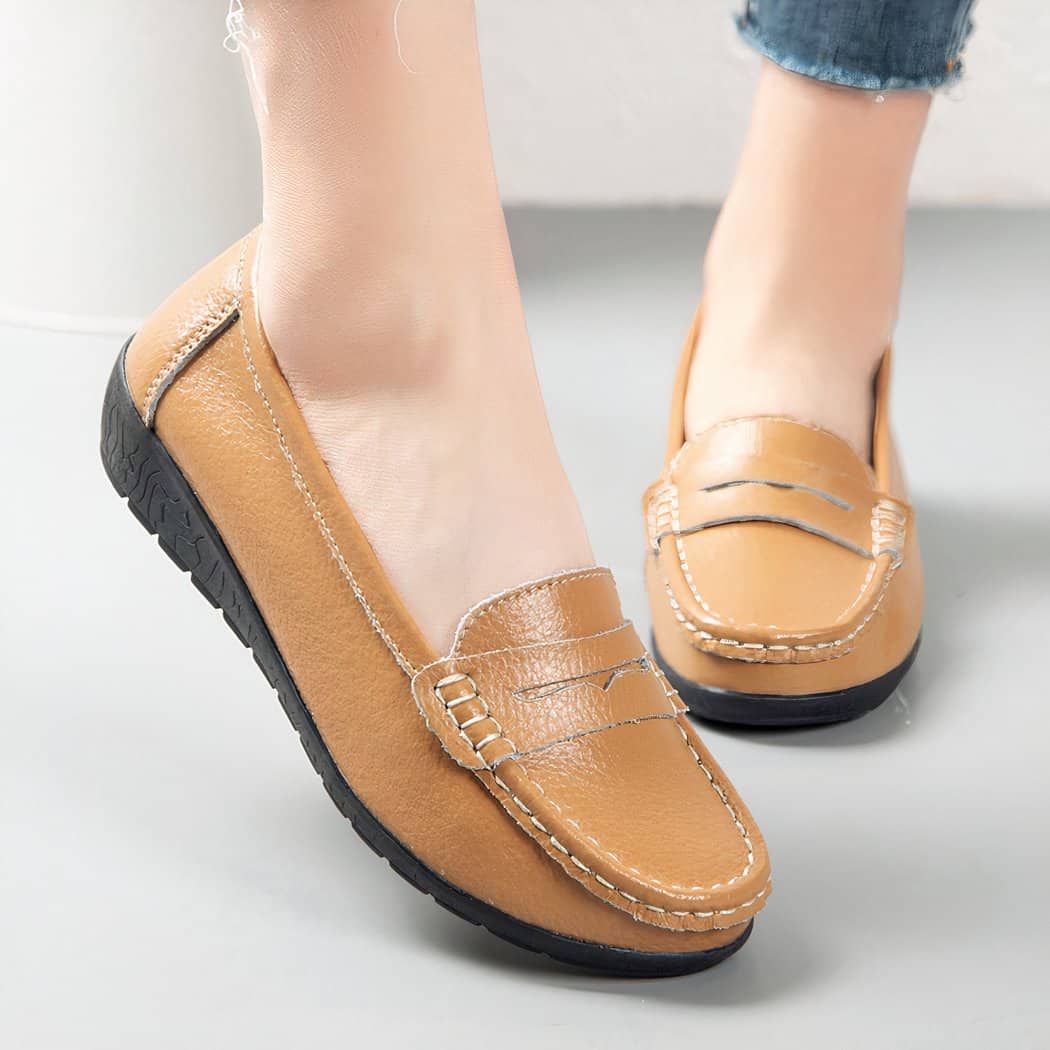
(784, 574)
(388, 292)
(383, 276)
(803, 272)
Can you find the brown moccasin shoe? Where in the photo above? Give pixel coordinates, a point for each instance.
(783, 572)
(540, 779)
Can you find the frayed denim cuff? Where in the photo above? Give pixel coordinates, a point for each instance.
(877, 45)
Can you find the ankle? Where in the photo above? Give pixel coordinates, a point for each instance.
(360, 322)
(387, 290)
(795, 326)
(774, 342)
(794, 272)
(803, 273)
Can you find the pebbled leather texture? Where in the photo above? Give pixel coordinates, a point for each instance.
(544, 764)
(779, 562)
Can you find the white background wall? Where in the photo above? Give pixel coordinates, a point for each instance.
(599, 101)
(130, 156)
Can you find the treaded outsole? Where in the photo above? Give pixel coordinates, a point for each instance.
(156, 492)
(763, 710)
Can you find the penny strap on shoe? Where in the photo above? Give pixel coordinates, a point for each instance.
(510, 703)
(786, 521)
(584, 744)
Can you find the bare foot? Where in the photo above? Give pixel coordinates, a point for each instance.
(388, 292)
(802, 277)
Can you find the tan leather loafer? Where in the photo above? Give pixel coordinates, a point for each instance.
(540, 779)
(783, 571)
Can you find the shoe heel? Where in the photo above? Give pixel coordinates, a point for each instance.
(158, 494)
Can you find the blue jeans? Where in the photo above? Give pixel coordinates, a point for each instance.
(876, 44)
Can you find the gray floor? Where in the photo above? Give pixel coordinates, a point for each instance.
(172, 874)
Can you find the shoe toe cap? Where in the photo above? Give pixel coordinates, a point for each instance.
(643, 818)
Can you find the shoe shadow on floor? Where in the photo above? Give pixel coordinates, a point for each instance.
(776, 961)
(972, 556)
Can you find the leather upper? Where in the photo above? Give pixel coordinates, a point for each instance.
(780, 562)
(579, 737)
(544, 764)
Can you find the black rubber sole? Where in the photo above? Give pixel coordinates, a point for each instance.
(160, 497)
(772, 711)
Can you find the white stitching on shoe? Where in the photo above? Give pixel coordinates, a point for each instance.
(844, 640)
(872, 566)
(700, 891)
(676, 525)
(662, 521)
(670, 694)
(460, 727)
(697, 891)
(529, 645)
(888, 524)
(475, 614)
(202, 332)
(304, 490)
